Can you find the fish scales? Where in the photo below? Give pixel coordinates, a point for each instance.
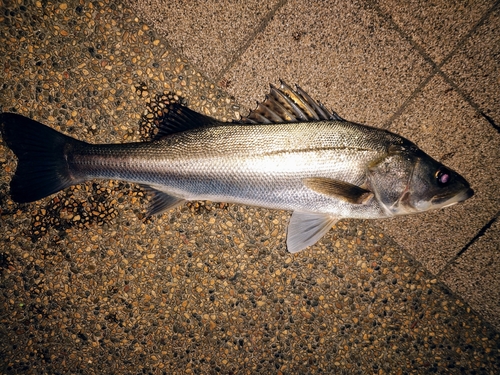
(323, 168)
(260, 165)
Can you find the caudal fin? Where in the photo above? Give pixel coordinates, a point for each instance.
(42, 168)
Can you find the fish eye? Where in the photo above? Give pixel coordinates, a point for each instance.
(443, 176)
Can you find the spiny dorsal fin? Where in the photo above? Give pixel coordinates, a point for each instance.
(288, 105)
(177, 118)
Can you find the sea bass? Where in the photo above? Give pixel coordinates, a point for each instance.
(290, 153)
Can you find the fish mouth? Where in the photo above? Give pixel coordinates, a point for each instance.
(441, 201)
(469, 193)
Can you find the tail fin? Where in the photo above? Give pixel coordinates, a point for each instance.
(42, 168)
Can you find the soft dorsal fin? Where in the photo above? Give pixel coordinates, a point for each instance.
(161, 201)
(177, 118)
(288, 105)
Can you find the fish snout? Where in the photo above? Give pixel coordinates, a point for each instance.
(464, 195)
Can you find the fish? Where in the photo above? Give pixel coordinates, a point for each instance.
(289, 153)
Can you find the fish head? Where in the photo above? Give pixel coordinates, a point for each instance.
(409, 181)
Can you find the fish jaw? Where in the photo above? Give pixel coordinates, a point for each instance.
(439, 202)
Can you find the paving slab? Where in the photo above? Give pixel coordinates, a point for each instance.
(474, 275)
(475, 68)
(209, 33)
(446, 127)
(436, 26)
(343, 54)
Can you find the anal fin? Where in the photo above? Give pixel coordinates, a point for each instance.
(305, 229)
(161, 201)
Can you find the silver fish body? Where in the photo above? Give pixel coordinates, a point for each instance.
(261, 165)
(321, 169)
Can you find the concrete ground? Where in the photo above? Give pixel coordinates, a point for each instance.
(89, 285)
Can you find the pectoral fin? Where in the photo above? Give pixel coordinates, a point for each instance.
(339, 189)
(161, 201)
(305, 229)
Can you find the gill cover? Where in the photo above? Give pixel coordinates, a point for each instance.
(389, 177)
(408, 180)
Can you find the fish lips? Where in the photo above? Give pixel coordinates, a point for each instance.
(447, 200)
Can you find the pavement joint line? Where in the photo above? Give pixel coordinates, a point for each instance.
(168, 46)
(438, 276)
(409, 99)
(419, 49)
(466, 97)
(479, 234)
(256, 31)
(467, 36)
(417, 263)
(452, 83)
(436, 67)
